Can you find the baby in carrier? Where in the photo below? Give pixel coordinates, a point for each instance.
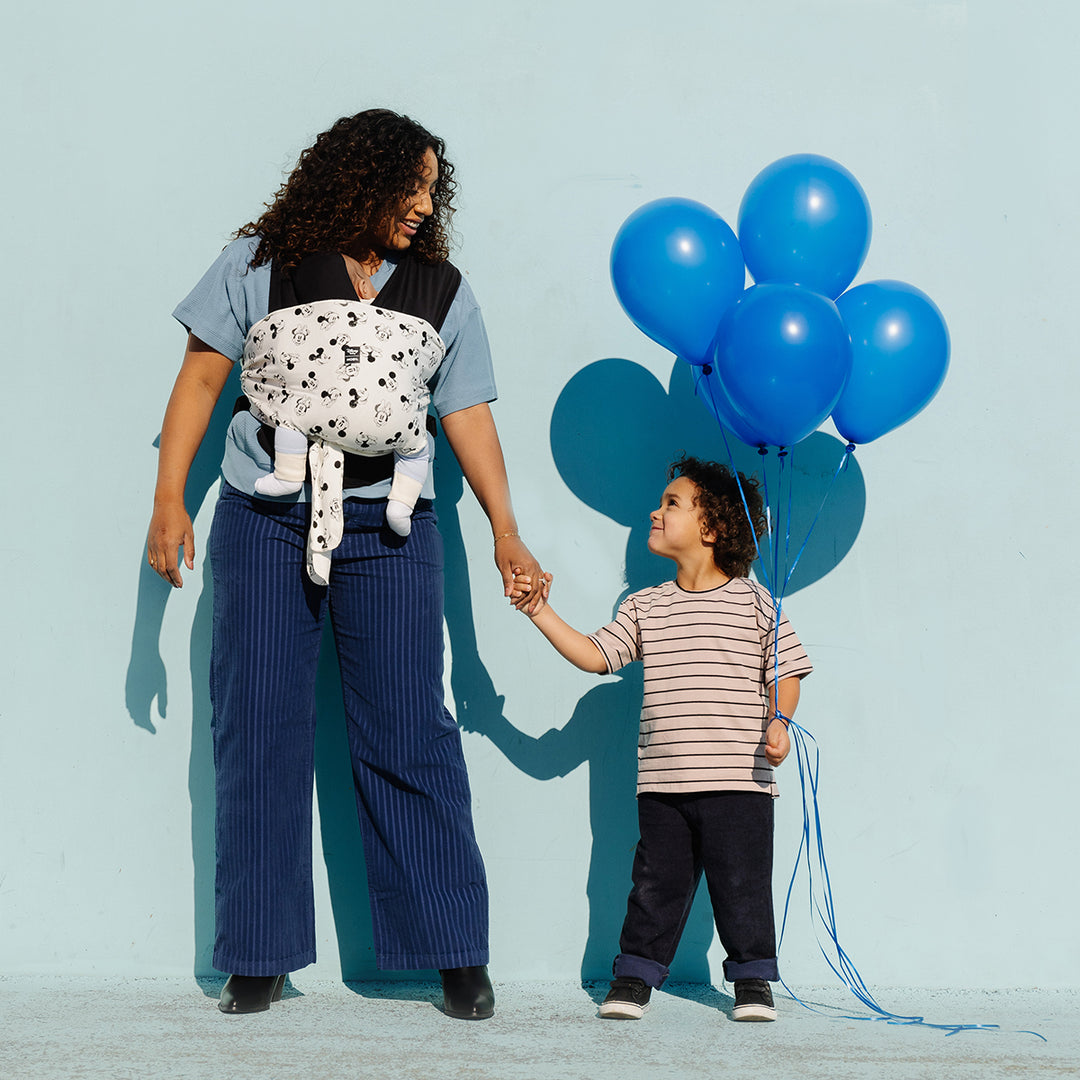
(334, 377)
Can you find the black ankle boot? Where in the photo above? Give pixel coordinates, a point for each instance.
(250, 993)
(467, 993)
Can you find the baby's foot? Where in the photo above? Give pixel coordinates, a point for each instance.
(399, 516)
(271, 485)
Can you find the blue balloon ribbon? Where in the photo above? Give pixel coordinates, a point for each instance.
(811, 842)
(822, 911)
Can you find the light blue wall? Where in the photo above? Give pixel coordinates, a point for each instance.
(137, 136)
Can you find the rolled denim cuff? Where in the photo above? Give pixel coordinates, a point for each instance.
(637, 967)
(752, 969)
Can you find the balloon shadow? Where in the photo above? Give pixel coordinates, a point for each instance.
(642, 428)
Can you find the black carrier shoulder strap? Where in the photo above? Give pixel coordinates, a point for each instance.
(415, 288)
(423, 289)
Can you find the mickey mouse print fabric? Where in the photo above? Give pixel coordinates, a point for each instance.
(349, 376)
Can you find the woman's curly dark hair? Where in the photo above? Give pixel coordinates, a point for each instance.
(347, 183)
(722, 511)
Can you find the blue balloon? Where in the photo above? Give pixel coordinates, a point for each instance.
(676, 267)
(712, 393)
(782, 355)
(804, 220)
(900, 354)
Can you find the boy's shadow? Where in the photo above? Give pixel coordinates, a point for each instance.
(614, 431)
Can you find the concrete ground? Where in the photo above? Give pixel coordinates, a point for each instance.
(170, 1029)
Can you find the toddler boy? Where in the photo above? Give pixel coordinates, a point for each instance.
(713, 726)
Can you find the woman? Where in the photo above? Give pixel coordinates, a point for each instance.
(366, 209)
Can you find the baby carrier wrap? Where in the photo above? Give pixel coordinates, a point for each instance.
(349, 374)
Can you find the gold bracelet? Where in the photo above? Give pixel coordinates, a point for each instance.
(503, 536)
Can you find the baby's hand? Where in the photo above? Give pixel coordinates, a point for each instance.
(523, 583)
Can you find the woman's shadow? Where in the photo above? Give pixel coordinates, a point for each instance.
(146, 697)
(614, 431)
(146, 689)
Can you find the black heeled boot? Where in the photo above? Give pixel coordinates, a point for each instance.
(467, 993)
(250, 993)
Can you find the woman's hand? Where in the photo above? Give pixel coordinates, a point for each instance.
(515, 561)
(202, 377)
(170, 530)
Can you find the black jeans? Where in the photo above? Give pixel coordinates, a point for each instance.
(726, 835)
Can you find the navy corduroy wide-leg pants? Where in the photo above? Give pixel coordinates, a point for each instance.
(426, 878)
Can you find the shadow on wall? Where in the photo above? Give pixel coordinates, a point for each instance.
(146, 693)
(615, 460)
(146, 688)
(614, 431)
(602, 731)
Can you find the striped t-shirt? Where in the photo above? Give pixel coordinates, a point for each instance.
(708, 658)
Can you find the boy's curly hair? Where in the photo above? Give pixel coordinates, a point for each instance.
(351, 179)
(722, 511)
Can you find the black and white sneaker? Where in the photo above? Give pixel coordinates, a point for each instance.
(628, 999)
(753, 1000)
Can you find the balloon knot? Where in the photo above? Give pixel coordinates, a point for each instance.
(762, 449)
(850, 448)
(706, 369)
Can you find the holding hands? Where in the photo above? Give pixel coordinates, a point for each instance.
(524, 581)
(524, 594)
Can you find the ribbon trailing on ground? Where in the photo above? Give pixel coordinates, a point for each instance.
(822, 909)
(777, 570)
